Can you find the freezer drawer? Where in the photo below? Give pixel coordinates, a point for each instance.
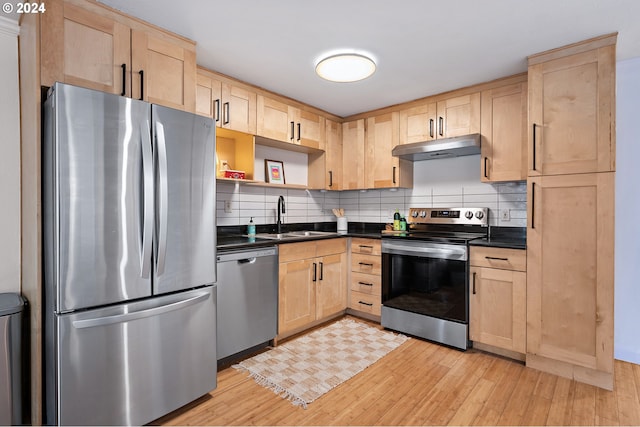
(133, 363)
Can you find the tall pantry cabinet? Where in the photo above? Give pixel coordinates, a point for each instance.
(570, 234)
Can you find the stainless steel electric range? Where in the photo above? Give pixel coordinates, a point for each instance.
(425, 274)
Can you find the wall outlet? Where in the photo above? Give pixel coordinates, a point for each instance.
(505, 215)
(227, 206)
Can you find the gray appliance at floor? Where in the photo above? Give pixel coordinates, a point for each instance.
(129, 232)
(248, 295)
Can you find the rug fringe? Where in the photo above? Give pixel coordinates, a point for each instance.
(277, 389)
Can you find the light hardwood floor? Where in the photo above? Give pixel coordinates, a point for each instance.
(421, 383)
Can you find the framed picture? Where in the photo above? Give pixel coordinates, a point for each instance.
(274, 171)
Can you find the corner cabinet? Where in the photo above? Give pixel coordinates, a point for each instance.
(497, 299)
(570, 211)
(382, 170)
(312, 284)
(325, 168)
(504, 133)
(90, 45)
(353, 155)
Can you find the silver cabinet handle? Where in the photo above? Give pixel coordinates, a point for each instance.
(128, 317)
(163, 200)
(147, 179)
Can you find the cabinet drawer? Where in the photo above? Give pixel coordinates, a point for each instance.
(365, 246)
(370, 264)
(366, 283)
(502, 258)
(365, 302)
(331, 246)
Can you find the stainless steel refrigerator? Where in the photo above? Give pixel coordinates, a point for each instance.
(129, 258)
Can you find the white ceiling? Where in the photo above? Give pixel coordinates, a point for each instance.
(422, 47)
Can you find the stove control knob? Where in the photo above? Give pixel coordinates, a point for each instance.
(423, 214)
(468, 214)
(414, 214)
(479, 214)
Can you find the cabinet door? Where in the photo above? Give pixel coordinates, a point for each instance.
(497, 308)
(459, 116)
(238, 109)
(570, 269)
(85, 49)
(381, 168)
(168, 71)
(353, 155)
(331, 285)
(572, 114)
(504, 139)
(274, 120)
(309, 128)
(333, 149)
(204, 96)
(297, 295)
(418, 124)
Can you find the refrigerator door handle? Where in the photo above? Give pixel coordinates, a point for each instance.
(163, 188)
(150, 312)
(147, 179)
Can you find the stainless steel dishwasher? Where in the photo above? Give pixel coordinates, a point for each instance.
(247, 299)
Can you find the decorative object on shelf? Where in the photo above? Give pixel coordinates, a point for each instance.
(234, 174)
(274, 171)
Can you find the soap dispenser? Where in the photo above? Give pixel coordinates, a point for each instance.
(251, 228)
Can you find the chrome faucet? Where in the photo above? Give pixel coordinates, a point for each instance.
(280, 210)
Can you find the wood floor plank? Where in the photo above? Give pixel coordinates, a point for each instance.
(424, 383)
(584, 405)
(627, 393)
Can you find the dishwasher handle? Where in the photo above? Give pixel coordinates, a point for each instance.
(247, 256)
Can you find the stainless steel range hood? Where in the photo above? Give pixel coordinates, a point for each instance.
(439, 148)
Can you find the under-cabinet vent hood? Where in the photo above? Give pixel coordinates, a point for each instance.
(439, 148)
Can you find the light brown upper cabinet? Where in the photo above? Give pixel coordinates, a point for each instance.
(333, 156)
(231, 105)
(503, 129)
(447, 118)
(283, 122)
(572, 109)
(353, 155)
(382, 170)
(89, 45)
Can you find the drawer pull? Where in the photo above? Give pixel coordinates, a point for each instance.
(366, 264)
(365, 303)
(365, 284)
(497, 258)
(365, 246)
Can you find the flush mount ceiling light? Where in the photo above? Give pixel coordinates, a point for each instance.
(345, 67)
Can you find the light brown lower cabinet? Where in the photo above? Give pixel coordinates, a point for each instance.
(365, 295)
(312, 283)
(497, 300)
(570, 272)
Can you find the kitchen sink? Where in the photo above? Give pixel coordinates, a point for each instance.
(295, 235)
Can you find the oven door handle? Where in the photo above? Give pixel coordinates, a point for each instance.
(426, 252)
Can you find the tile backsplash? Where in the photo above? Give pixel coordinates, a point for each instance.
(437, 183)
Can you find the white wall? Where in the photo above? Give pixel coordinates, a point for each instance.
(627, 246)
(9, 158)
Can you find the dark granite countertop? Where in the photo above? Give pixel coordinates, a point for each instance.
(235, 238)
(504, 237)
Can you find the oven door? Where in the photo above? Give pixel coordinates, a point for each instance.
(425, 289)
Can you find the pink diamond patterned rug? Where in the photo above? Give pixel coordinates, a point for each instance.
(305, 368)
